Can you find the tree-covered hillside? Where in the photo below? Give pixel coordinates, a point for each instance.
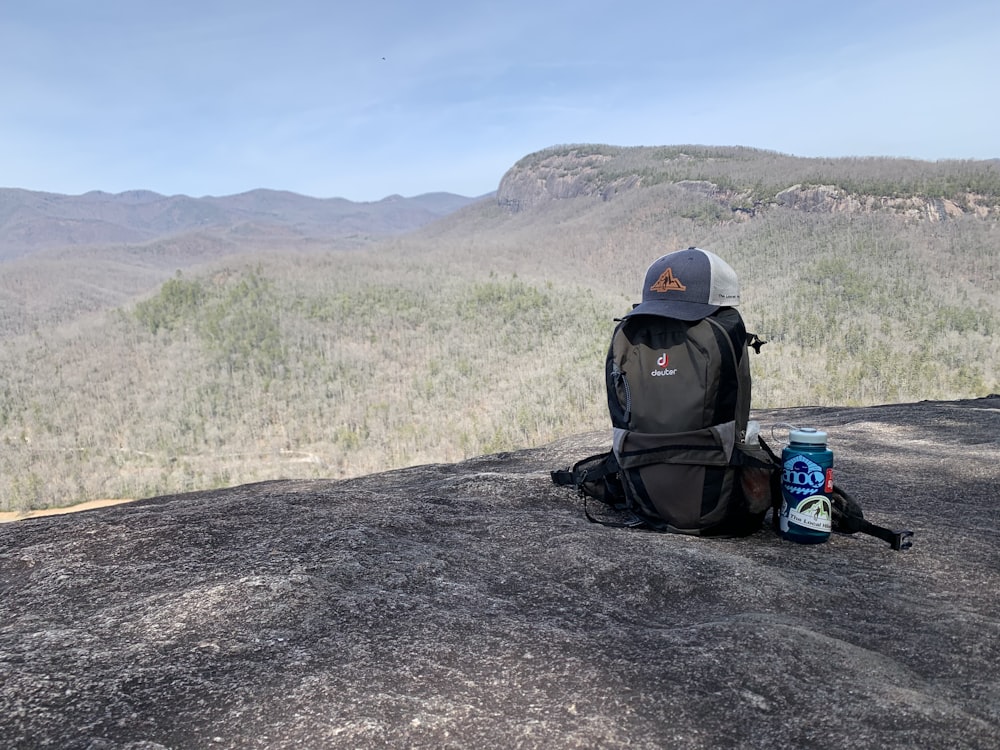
(487, 330)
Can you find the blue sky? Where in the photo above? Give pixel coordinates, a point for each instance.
(215, 97)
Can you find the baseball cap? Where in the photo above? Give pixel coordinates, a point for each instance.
(689, 285)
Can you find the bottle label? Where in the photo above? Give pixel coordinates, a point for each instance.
(812, 513)
(801, 477)
(804, 488)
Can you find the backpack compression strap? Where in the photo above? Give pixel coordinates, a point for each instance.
(595, 476)
(598, 477)
(848, 518)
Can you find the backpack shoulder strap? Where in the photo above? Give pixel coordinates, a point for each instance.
(734, 390)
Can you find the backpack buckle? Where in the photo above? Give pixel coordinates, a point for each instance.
(901, 539)
(898, 540)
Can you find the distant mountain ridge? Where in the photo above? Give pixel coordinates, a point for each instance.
(33, 221)
(741, 180)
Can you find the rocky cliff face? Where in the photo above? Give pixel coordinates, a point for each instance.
(567, 173)
(831, 199)
(465, 605)
(559, 176)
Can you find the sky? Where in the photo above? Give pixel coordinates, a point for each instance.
(371, 98)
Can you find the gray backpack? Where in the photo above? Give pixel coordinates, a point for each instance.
(678, 382)
(679, 401)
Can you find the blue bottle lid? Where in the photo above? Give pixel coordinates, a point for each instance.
(807, 436)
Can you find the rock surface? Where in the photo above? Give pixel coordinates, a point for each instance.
(558, 176)
(473, 605)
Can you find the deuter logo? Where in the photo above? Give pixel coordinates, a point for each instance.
(802, 477)
(661, 362)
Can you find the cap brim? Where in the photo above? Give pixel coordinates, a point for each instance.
(674, 309)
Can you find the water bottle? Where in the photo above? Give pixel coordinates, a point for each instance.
(806, 485)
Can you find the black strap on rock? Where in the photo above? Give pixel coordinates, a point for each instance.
(596, 470)
(629, 520)
(596, 477)
(848, 518)
(563, 477)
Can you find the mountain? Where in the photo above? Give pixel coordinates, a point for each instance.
(744, 180)
(63, 256)
(36, 221)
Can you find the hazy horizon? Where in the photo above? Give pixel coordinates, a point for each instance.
(367, 102)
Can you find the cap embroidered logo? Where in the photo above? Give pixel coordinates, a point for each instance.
(668, 283)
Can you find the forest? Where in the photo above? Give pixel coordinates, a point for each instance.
(486, 330)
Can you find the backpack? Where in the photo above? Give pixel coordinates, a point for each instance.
(678, 392)
(679, 400)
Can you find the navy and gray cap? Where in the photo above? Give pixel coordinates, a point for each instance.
(689, 285)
